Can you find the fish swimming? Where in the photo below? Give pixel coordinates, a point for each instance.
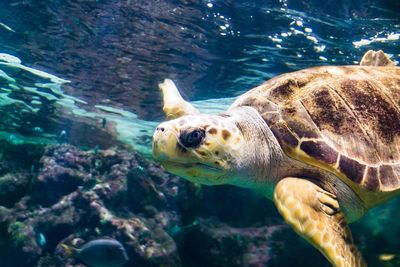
(99, 253)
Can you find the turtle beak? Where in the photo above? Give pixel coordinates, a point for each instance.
(165, 143)
(162, 139)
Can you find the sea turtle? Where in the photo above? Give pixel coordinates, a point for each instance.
(323, 143)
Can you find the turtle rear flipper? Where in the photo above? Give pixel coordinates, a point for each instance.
(174, 105)
(376, 58)
(315, 215)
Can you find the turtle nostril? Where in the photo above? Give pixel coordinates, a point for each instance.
(160, 129)
(191, 139)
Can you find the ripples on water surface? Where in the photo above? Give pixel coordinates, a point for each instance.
(115, 52)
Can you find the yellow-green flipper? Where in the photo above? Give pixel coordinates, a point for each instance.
(316, 216)
(174, 105)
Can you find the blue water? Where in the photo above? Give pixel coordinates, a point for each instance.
(108, 56)
(115, 52)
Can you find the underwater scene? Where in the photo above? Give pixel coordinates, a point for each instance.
(126, 140)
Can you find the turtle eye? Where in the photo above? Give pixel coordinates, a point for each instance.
(193, 138)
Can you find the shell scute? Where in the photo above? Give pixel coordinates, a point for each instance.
(320, 113)
(338, 123)
(284, 91)
(352, 169)
(302, 130)
(371, 180)
(328, 112)
(285, 137)
(374, 110)
(320, 150)
(387, 176)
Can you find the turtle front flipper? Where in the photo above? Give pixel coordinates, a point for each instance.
(174, 105)
(315, 215)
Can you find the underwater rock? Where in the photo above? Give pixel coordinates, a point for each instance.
(87, 195)
(63, 170)
(17, 164)
(72, 196)
(13, 186)
(212, 243)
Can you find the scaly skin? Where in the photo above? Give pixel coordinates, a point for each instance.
(174, 105)
(315, 215)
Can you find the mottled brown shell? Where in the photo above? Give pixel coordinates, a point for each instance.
(343, 119)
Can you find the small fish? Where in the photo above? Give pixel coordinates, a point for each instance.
(8, 28)
(178, 230)
(41, 239)
(38, 130)
(99, 253)
(387, 257)
(62, 137)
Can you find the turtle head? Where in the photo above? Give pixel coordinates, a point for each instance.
(200, 148)
(229, 148)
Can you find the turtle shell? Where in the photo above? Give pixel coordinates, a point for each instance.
(342, 119)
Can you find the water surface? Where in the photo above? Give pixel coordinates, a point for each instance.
(115, 52)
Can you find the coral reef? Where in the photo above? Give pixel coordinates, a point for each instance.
(61, 194)
(87, 194)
